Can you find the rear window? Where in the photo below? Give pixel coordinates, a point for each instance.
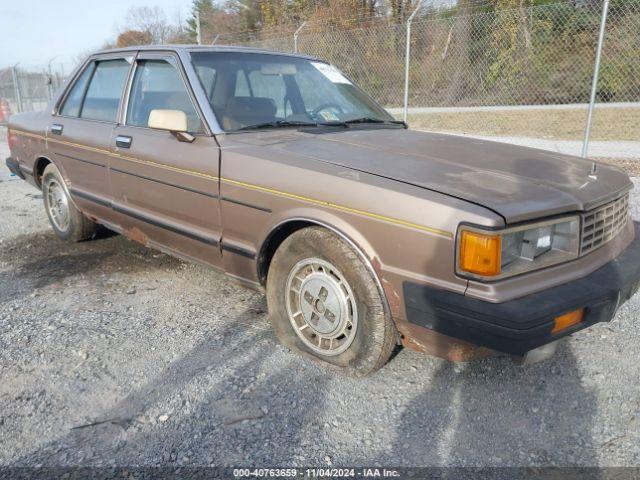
(105, 90)
(73, 103)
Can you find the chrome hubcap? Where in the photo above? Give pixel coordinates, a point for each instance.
(57, 205)
(321, 306)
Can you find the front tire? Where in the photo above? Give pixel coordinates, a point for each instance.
(323, 302)
(66, 220)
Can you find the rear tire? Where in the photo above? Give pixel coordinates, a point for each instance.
(67, 221)
(323, 302)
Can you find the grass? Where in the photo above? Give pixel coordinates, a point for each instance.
(632, 167)
(608, 123)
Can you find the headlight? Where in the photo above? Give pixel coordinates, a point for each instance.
(492, 255)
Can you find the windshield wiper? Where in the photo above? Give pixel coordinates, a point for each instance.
(332, 123)
(374, 120)
(364, 120)
(277, 124)
(346, 123)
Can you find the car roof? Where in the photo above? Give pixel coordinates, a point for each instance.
(204, 48)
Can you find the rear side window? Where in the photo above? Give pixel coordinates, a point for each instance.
(157, 85)
(73, 103)
(105, 90)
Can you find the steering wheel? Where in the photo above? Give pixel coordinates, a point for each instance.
(325, 106)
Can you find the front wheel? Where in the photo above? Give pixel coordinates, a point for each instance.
(67, 221)
(324, 302)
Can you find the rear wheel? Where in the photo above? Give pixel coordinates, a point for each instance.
(324, 302)
(67, 221)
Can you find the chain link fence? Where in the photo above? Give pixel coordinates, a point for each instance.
(511, 73)
(27, 89)
(514, 73)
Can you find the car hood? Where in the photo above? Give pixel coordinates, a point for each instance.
(518, 183)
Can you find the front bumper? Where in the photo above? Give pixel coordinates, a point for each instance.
(521, 325)
(14, 167)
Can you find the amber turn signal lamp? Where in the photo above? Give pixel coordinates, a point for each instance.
(568, 320)
(480, 253)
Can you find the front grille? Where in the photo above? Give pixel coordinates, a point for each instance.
(603, 223)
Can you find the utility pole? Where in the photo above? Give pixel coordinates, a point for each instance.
(198, 31)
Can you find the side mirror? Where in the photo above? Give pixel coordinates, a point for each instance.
(175, 121)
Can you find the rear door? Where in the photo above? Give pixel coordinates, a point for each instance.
(79, 134)
(166, 191)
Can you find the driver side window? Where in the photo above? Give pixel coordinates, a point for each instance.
(157, 85)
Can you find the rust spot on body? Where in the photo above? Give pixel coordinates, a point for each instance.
(137, 235)
(433, 343)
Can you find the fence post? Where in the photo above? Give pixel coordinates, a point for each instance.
(295, 37)
(407, 57)
(596, 75)
(50, 80)
(16, 87)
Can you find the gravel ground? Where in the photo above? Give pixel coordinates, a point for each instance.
(112, 354)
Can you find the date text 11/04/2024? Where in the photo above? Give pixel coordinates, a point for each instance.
(316, 473)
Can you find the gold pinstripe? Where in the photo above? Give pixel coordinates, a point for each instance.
(116, 155)
(27, 134)
(167, 167)
(339, 207)
(249, 186)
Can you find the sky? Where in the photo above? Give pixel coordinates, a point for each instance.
(32, 32)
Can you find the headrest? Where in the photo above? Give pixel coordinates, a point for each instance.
(251, 106)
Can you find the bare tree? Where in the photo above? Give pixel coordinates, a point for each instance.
(153, 21)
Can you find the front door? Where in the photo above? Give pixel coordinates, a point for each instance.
(164, 191)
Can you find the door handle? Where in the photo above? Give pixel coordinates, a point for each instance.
(56, 129)
(123, 141)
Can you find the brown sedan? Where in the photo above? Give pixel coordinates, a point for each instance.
(278, 171)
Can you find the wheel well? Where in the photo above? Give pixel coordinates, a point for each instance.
(38, 170)
(280, 234)
(273, 241)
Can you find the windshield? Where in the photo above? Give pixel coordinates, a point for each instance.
(250, 90)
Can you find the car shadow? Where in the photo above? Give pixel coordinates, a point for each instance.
(235, 408)
(41, 261)
(493, 413)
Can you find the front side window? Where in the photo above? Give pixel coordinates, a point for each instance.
(73, 103)
(157, 85)
(105, 90)
(209, 76)
(258, 90)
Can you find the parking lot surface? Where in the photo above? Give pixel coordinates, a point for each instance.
(113, 354)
